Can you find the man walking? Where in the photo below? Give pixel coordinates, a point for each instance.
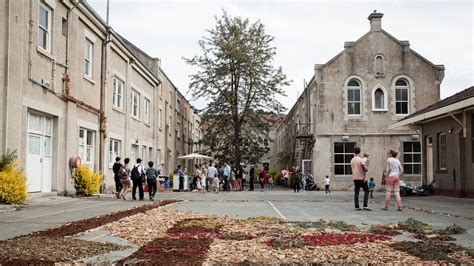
(226, 173)
(181, 178)
(118, 182)
(138, 176)
(211, 173)
(358, 174)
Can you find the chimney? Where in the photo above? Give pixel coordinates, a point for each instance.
(375, 21)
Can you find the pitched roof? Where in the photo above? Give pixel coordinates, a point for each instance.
(460, 96)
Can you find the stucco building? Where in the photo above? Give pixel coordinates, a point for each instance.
(71, 86)
(353, 98)
(448, 143)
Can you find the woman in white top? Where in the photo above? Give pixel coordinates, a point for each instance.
(394, 170)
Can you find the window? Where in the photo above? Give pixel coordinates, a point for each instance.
(117, 97)
(146, 113)
(379, 66)
(86, 146)
(442, 151)
(343, 154)
(64, 29)
(135, 104)
(379, 100)
(44, 27)
(401, 97)
(412, 158)
(114, 149)
(265, 142)
(88, 57)
(169, 125)
(353, 97)
(143, 156)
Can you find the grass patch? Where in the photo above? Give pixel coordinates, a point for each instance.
(451, 230)
(414, 226)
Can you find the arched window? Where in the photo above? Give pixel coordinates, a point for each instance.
(402, 99)
(353, 97)
(379, 99)
(379, 67)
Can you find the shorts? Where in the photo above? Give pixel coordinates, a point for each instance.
(125, 183)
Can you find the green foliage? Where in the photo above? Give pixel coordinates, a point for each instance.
(171, 174)
(86, 182)
(414, 226)
(7, 159)
(12, 181)
(236, 76)
(451, 230)
(277, 179)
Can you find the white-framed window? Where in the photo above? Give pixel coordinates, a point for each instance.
(117, 97)
(87, 146)
(169, 125)
(114, 149)
(402, 97)
(354, 98)
(412, 157)
(442, 165)
(379, 65)
(265, 142)
(135, 104)
(64, 27)
(146, 111)
(88, 57)
(45, 27)
(379, 99)
(343, 154)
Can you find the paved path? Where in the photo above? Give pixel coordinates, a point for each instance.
(438, 211)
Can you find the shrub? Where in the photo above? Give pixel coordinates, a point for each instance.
(86, 182)
(12, 182)
(171, 179)
(278, 180)
(7, 159)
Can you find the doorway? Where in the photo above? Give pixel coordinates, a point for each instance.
(39, 161)
(429, 160)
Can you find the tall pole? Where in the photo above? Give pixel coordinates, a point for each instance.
(107, 19)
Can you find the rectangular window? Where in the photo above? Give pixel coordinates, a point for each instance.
(343, 154)
(88, 57)
(86, 146)
(135, 104)
(412, 158)
(146, 113)
(265, 142)
(353, 101)
(401, 100)
(169, 125)
(442, 151)
(117, 97)
(44, 27)
(64, 29)
(114, 149)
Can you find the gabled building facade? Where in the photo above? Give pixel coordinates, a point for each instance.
(353, 98)
(71, 88)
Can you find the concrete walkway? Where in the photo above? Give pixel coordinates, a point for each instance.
(43, 213)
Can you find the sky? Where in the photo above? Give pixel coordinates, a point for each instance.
(307, 32)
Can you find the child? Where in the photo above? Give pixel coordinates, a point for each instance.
(371, 187)
(270, 182)
(366, 160)
(215, 183)
(327, 181)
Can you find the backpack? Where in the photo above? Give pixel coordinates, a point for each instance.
(135, 175)
(151, 173)
(122, 173)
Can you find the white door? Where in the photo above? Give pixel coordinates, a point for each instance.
(39, 153)
(429, 160)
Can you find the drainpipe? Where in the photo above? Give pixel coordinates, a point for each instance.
(7, 83)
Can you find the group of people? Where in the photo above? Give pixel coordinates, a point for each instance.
(360, 167)
(132, 178)
(223, 177)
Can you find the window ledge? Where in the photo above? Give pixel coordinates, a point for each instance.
(117, 109)
(135, 118)
(378, 75)
(147, 124)
(379, 110)
(45, 53)
(86, 77)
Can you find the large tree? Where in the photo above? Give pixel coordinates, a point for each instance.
(236, 77)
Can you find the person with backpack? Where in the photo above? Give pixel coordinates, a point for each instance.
(118, 183)
(124, 173)
(151, 179)
(137, 176)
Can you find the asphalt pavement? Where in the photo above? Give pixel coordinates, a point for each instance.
(439, 211)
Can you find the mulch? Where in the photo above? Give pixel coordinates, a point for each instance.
(73, 228)
(170, 251)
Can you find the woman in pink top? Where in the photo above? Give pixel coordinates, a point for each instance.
(394, 170)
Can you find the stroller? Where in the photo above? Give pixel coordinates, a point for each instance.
(311, 184)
